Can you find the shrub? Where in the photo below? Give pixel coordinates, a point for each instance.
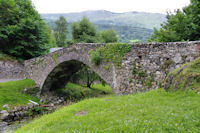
(95, 57)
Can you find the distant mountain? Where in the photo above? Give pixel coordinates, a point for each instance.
(129, 25)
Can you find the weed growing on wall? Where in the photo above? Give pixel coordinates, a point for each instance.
(55, 57)
(110, 52)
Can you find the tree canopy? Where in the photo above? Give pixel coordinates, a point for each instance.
(182, 25)
(84, 31)
(23, 33)
(108, 36)
(61, 31)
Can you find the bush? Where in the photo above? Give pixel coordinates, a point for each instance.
(95, 57)
(32, 91)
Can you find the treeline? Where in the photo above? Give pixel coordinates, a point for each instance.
(126, 33)
(81, 31)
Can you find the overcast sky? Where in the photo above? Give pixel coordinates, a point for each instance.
(66, 6)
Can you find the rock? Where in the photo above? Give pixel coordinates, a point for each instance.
(25, 89)
(41, 100)
(4, 115)
(189, 58)
(138, 85)
(30, 105)
(158, 73)
(6, 106)
(33, 102)
(177, 66)
(3, 126)
(177, 59)
(81, 113)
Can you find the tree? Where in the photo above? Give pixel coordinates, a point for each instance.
(192, 13)
(181, 26)
(84, 31)
(61, 31)
(87, 76)
(23, 33)
(108, 36)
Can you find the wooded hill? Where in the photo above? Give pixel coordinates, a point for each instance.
(128, 25)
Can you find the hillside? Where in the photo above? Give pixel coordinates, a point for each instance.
(128, 33)
(129, 25)
(154, 111)
(135, 19)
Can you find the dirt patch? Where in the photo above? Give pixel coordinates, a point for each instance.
(83, 112)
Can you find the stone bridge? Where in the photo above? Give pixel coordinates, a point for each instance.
(143, 68)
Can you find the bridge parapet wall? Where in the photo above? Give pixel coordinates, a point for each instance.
(146, 66)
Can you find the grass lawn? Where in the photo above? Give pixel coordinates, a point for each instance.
(12, 93)
(153, 111)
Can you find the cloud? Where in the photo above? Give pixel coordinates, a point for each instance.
(64, 6)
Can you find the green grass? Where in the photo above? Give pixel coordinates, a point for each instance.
(188, 78)
(12, 92)
(99, 88)
(77, 92)
(151, 112)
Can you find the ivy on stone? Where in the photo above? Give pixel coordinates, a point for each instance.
(110, 52)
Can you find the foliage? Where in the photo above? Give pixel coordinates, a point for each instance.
(23, 34)
(153, 111)
(60, 32)
(12, 92)
(186, 77)
(36, 110)
(95, 57)
(180, 26)
(87, 76)
(108, 36)
(4, 57)
(110, 52)
(166, 64)
(32, 91)
(55, 57)
(84, 31)
(76, 92)
(128, 33)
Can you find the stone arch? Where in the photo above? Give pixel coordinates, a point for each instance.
(45, 71)
(62, 73)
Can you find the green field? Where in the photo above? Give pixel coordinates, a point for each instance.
(12, 93)
(153, 111)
